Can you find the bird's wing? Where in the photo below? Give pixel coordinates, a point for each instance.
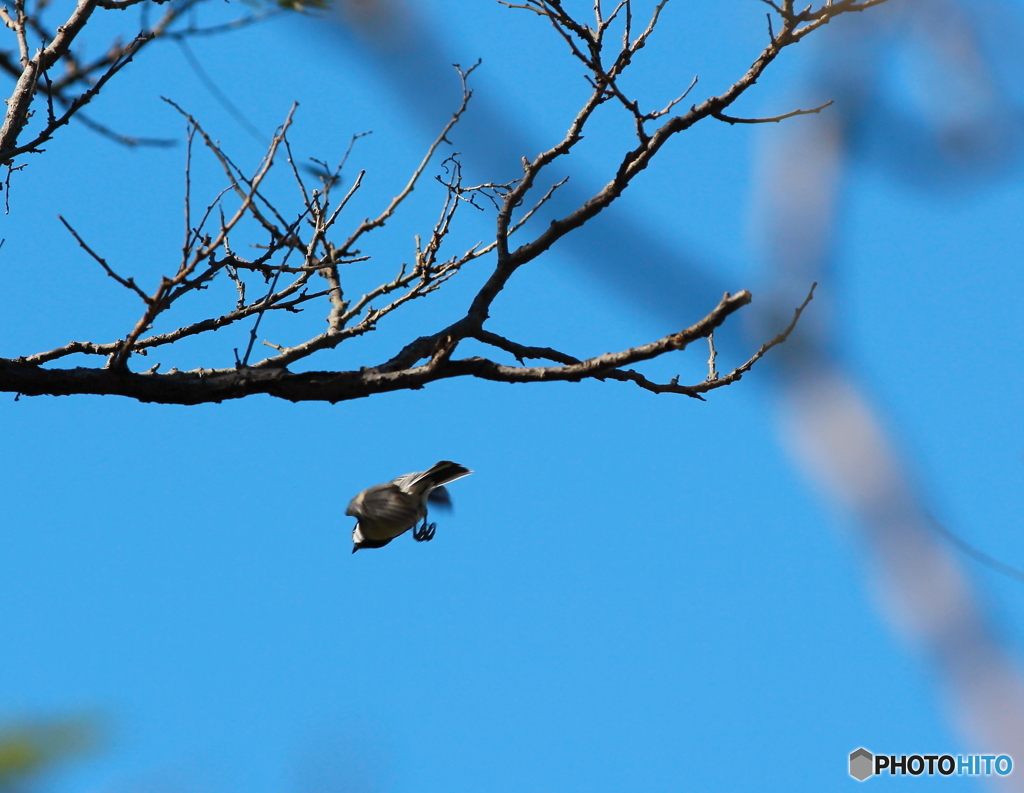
(386, 504)
(440, 497)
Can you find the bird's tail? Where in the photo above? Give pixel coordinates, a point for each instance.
(439, 474)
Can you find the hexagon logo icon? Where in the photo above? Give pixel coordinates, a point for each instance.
(862, 764)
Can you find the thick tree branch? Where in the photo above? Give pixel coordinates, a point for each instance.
(205, 385)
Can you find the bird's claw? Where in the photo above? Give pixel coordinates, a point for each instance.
(425, 532)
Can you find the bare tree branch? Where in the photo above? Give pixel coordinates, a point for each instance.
(216, 385)
(296, 244)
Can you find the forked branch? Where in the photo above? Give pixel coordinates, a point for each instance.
(307, 239)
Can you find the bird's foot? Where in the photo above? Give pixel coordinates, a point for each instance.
(425, 532)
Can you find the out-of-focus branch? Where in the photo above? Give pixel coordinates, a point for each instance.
(832, 424)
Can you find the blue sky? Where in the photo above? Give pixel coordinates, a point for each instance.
(634, 592)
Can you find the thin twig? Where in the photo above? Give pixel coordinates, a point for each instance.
(127, 283)
(737, 374)
(772, 119)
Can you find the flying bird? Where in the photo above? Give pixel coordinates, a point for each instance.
(385, 511)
